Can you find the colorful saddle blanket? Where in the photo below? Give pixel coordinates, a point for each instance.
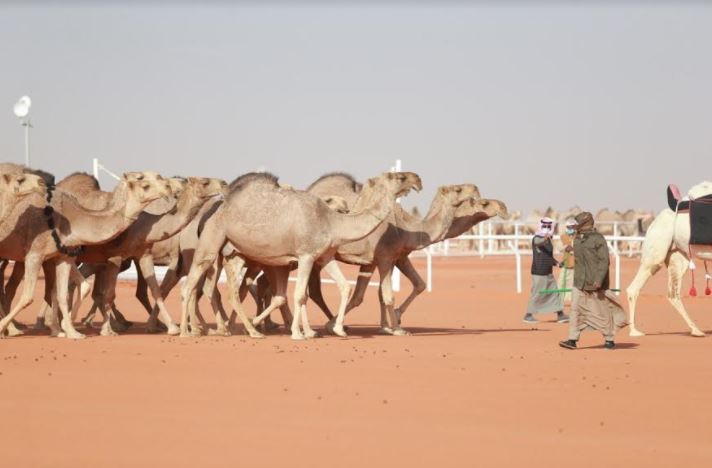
(700, 211)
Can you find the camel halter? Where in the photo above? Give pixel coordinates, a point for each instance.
(48, 212)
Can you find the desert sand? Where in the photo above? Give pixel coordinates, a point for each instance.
(473, 386)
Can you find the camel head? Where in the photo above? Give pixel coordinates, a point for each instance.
(145, 191)
(21, 185)
(457, 194)
(206, 187)
(398, 184)
(139, 176)
(489, 206)
(177, 185)
(336, 203)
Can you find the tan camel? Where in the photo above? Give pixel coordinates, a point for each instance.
(85, 188)
(38, 233)
(467, 215)
(250, 220)
(383, 248)
(667, 242)
(135, 243)
(14, 187)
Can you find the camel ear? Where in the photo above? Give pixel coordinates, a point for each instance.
(7, 178)
(458, 189)
(485, 202)
(371, 182)
(444, 190)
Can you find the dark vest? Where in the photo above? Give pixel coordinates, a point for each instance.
(542, 258)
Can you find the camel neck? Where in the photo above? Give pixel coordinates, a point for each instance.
(169, 224)
(462, 224)
(432, 228)
(78, 225)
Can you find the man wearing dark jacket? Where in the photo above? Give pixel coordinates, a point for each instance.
(593, 306)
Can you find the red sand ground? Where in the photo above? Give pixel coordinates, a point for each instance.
(473, 386)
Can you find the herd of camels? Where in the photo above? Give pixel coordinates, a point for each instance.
(257, 230)
(199, 226)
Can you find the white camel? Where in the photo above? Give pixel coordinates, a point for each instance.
(667, 243)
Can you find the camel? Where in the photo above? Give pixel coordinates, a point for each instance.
(667, 243)
(467, 215)
(135, 243)
(86, 189)
(49, 235)
(253, 220)
(177, 254)
(389, 243)
(13, 187)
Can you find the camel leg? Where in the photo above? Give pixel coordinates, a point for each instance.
(32, 269)
(64, 267)
(385, 270)
(336, 326)
(232, 270)
(83, 289)
(304, 267)
(677, 266)
(206, 253)
(278, 278)
(645, 272)
(105, 294)
(364, 277)
(10, 288)
(210, 290)
(49, 309)
(149, 276)
(142, 292)
(315, 292)
(171, 278)
(410, 272)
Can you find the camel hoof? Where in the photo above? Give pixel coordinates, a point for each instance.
(58, 334)
(697, 333)
(14, 332)
(256, 335)
(108, 332)
(40, 325)
(636, 332)
(173, 330)
(400, 332)
(219, 332)
(75, 335)
(309, 334)
(386, 331)
(270, 326)
(88, 325)
(331, 328)
(298, 336)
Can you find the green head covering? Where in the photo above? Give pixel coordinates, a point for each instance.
(584, 220)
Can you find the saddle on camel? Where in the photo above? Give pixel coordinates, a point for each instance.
(700, 213)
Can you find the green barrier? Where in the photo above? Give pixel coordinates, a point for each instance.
(561, 291)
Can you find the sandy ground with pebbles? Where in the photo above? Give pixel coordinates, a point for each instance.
(473, 386)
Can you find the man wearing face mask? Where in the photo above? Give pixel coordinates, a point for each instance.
(593, 306)
(566, 277)
(543, 263)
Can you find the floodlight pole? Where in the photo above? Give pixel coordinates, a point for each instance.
(27, 125)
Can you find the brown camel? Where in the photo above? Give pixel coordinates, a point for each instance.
(253, 220)
(135, 243)
(50, 235)
(389, 243)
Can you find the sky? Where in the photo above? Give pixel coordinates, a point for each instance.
(598, 104)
